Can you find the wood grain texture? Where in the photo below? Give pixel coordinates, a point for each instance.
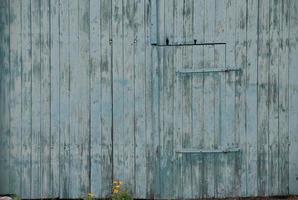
(63, 71)
(251, 98)
(56, 138)
(85, 98)
(4, 96)
(293, 98)
(37, 146)
(15, 173)
(26, 106)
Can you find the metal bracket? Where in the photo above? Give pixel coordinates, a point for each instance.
(188, 44)
(199, 151)
(208, 70)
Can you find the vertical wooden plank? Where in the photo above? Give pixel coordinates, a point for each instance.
(155, 120)
(118, 117)
(263, 66)
(229, 113)
(283, 124)
(56, 168)
(150, 134)
(161, 21)
(79, 98)
(208, 82)
(219, 61)
(251, 98)
(178, 33)
(273, 97)
(75, 95)
(187, 132)
(106, 97)
(240, 134)
(128, 94)
(26, 99)
(293, 99)
(197, 100)
(67, 60)
(159, 92)
(139, 93)
(45, 139)
(166, 112)
(95, 95)
(153, 21)
(4, 96)
(15, 174)
(36, 100)
(83, 114)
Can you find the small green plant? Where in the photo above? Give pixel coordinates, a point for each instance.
(15, 197)
(90, 196)
(118, 193)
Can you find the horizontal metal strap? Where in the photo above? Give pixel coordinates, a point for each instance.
(227, 150)
(208, 70)
(188, 44)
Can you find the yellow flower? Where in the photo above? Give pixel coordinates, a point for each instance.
(90, 195)
(115, 191)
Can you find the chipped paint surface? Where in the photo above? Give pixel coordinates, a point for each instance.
(176, 98)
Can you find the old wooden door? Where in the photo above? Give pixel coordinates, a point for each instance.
(198, 152)
(198, 148)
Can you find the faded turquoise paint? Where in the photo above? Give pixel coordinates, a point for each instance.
(97, 90)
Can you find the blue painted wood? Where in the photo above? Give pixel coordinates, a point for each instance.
(293, 99)
(38, 146)
(4, 97)
(61, 32)
(15, 173)
(86, 99)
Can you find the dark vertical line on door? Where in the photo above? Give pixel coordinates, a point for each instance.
(31, 66)
(112, 94)
(258, 146)
(246, 83)
(89, 90)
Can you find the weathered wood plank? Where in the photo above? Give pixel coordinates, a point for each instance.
(155, 120)
(128, 137)
(15, 173)
(178, 88)
(208, 95)
(106, 94)
(187, 132)
(139, 95)
(83, 114)
(153, 16)
(36, 99)
(229, 113)
(75, 124)
(95, 95)
(293, 98)
(4, 96)
(26, 99)
(166, 103)
(283, 124)
(67, 60)
(275, 13)
(240, 134)
(251, 98)
(45, 139)
(263, 68)
(158, 87)
(56, 137)
(150, 135)
(197, 100)
(118, 82)
(219, 60)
